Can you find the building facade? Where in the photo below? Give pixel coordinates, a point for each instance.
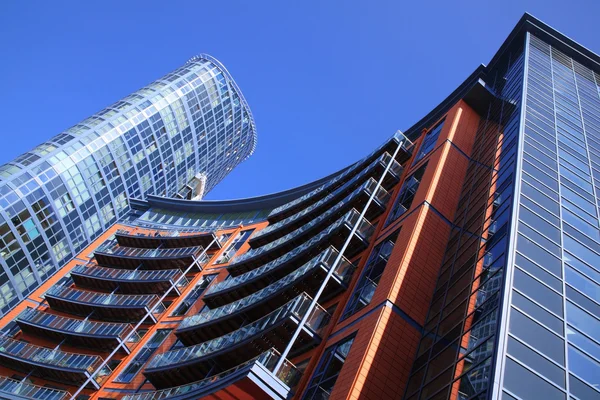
(177, 137)
(458, 260)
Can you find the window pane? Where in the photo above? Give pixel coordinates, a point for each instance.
(526, 385)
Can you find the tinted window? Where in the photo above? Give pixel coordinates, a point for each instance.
(526, 385)
(536, 336)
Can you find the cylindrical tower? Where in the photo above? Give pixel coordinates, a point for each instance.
(177, 137)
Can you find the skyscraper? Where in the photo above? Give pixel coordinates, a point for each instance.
(177, 137)
(458, 260)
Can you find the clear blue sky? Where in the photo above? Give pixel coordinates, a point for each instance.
(327, 80)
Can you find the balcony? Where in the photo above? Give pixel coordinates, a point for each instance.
(56, 365)
(94, 335)
(404, 154)
(14, 389)
(105, 306)
(219, 321)
(259, 256)
(406, 147)
(126, 280)
(254, 377)
(189, 364)
(166, 239)
(357, 191)
(110, 253)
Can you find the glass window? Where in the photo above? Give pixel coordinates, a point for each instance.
(584, 367)
(373, 270)
(582, 283)
(583, 342)
(582, 320)
(538, 272)
(326, 373)
(530, 249)
(581, 390)
(406, 194)
(536, 336)
(526, 385)
(430, 140)
(143, 356)
(582, 251)
(535, 361)
(537, 312)
(194, 295)
(537, 291)
(237, 243)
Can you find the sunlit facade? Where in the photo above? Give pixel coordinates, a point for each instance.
(457, 260)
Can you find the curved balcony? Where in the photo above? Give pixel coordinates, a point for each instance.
(166, 239)
(358, 196)
(110, 253)
(105, 306)
(255, 376)
(127, 280)
(256, 257)
(14, 389)
(56, 365)
(95, 335)
(308, 278)
(292, 207)
(189, 364)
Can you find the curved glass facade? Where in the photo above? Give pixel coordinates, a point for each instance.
(177, 137)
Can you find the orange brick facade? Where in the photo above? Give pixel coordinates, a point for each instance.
(387, 331)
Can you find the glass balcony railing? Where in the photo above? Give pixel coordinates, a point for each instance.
(177, 237)
(114, 274)
(296, 307)
(399, 137)
(312, 193)
(26, 390)
(365, 230)
(111, 247)
(343, 272)
(403, 141)
(55, 359)
(164, 233)
(371, 184)
(73, 326)
(102, 299)
(273, 265)
(288, 374)
(290, 237)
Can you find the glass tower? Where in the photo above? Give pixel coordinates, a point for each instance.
(177, 137)
(516, 309)
(550, 344)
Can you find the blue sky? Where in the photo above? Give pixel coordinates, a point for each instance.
(327, 80)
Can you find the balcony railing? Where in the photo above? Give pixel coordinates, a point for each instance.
(405, 144)
(364, 230)
(371, 184)
(111, 247)
(26, 390)
(271, 266)
(152, 238)
(55, 359)
(287, 374)
(343, 272)
(403, 141)
(73, 326)
(115, 274)
(290, 237)
(102, 299)
(296, 307)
